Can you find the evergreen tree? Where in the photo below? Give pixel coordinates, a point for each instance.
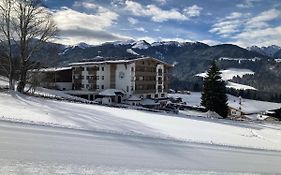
(214, 96)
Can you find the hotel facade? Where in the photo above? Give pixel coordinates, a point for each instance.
(144, 77)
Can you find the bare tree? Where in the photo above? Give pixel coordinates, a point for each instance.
(6, 58)
(27, 24)
(34, 26)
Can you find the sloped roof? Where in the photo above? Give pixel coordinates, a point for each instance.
(134, 98)
(117, 61)
(51, 69)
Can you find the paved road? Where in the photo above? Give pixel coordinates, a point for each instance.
(29, 149)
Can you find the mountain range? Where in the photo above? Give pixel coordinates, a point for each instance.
(271, 51)
(188, 58)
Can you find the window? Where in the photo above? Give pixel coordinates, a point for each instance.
(141, 78)
(102, 77)
(132, 69)
(159, 87)
(132, 88)
(127, 89)
(159, 78)
(156, 95)
(88, 68)
(87, 86)
(102, 86)
(102, 68)
(97, 77)
(98, 87)
(98, 68)
(88, 77)
(162, 95)
(148, 96)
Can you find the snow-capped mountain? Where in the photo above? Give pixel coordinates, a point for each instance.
(127, 42)
(81, 45)
(142, 44)
(267, 51)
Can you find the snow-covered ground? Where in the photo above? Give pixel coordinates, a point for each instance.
(239, 86)
(228, 74)
(32, 149)
(247, 105)
(4, 82)
(21, 108)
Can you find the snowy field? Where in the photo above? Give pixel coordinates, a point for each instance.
(247, 106)
(26, 109)
(228, 74)
(33, 149)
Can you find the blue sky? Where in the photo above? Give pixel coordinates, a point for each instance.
(241, 22)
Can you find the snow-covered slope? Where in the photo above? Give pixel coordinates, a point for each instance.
(81, 45)
(133, 122)
(142, 44)
(248, 106)
(131, 51)
(127, 42)
(228, 74)
(239, 86)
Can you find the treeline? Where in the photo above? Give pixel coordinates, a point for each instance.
(256, 95)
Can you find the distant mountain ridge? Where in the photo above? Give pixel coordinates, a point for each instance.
(271, 51)
(188, 58)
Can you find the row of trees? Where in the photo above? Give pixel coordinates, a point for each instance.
(25, 26)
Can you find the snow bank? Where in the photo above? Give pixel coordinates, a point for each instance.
(4, 82)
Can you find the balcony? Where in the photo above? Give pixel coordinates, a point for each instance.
(77, 72)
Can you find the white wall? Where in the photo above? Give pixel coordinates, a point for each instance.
(122, 83)
(160, 66)
(106, 74)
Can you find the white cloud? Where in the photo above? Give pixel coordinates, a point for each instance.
(247, 4)
(246, 29)
(141, 29)
(67, 18)
(76, 27)
(261, 20)
(210, 42)
(234, 15)
(159, 15)
(192, 11)
(133, 21)
(87, 5)
(227, 26)
(260, 37)
(162, 2)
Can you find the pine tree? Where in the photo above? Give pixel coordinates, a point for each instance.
(214, 96)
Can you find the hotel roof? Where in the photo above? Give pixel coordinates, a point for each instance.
(119, 61)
